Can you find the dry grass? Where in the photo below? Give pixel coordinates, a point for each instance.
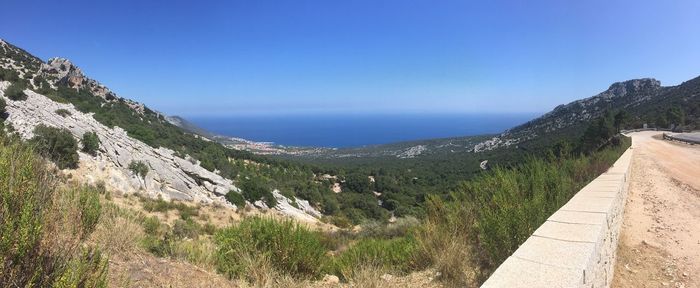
(444, 241)
(200, 252)
(367, 276)
(123, 240)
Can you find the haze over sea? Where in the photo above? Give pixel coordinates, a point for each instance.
(356, 130)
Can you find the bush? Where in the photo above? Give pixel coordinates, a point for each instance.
(8, 75)
(90, 208)
(256, 188)
(138, 168)
(39, 246)
(151, 225)
(490, 216)
(156, 205)
(186, 229)
(63, 112)
(90, 143)
(160, 205)
(200, 252)
(15, 92)
(87, 270)
(446, 241)
(291, 248)
(58, 145)
(235, 198)
(402, 227)
(3, 109)
(26, 190)
(396, 255)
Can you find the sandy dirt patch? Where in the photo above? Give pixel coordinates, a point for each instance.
(660, 242)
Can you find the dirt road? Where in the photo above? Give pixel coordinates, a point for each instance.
(660, 241)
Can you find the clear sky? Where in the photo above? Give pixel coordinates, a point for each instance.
(248, 57)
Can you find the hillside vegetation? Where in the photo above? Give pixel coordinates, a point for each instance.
(439, 211)
(464, 236)
(44, 225)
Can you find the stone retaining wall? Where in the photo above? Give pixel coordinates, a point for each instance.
(691, 138)
(576, 246)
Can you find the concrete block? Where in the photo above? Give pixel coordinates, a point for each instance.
(558, 253)
(579, 217)
(589, 204)
(577, 232)
(594, 193)
(516, 273)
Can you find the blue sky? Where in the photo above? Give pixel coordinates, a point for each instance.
(280, 57)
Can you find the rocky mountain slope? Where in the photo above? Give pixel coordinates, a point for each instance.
(644, 99)
(171, 175)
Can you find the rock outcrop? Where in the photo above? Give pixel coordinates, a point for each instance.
(170, 176)
(63, 71)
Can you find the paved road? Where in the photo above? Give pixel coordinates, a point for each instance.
(660, 242)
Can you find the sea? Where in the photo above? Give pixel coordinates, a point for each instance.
(355, 130)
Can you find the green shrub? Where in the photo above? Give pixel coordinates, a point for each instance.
(138, 168)
(235, 198)
(26, 189)
(256, 188)
(340, 221)
(186, 212)
(90, 208)
(156, 205)
(209, 229)
(159, 246)
(58, 145)
(291, 248)
(90, 143)
(33, 216)
(8, 75)
(16, 92)
(200, 252)
(160, 205)
(503, 208)
(186, 229)
(446, 241)
(396, 254)
(401, 227)
(63, 112)
(3, 109)
(87, 270)
(151, 225)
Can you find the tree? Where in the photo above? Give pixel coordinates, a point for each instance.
(90, 143)
(235, 198)
(620, 119)
(358, 182)
(675, 116)
(256, 188)
(139, 168)
(597, 134)
(562, 149)
(58, 145)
